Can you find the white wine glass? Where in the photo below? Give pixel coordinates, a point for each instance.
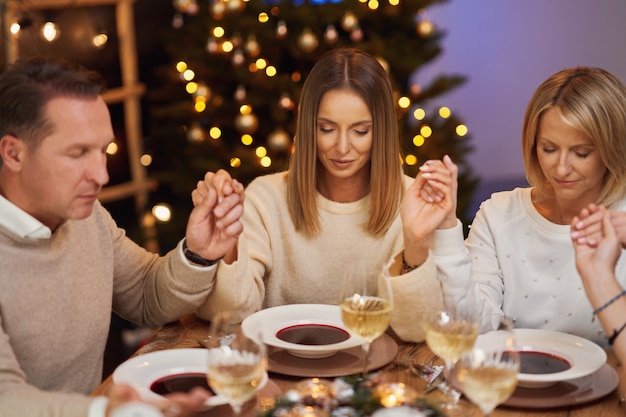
(450, 333)
(366, 304)
(488, 375)
(236, 363)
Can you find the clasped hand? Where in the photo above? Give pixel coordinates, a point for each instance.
(214, 223)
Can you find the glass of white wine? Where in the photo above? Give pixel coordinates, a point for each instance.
(236, 363)
(450, 333)
(366, 304)
(488, 375)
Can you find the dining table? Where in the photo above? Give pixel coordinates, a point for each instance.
(190, 331)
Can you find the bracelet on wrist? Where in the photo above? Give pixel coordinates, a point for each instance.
(406, 267)
(616, 332)
(196, 259)
(608, 303)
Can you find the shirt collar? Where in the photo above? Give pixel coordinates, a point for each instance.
(21, 223)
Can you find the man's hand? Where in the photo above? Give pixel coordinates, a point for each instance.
(214, 224)
(124, 401)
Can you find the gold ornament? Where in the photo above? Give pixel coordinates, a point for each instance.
(217, 10)
(186, 6)
(383, 62)
(349, 21)
(235, 5)
(308, 41)
(279, 140)
(240, 93)
(285, 102)
(331, 35)
(281, 30)
(425, 28)
(252, 47)
(238, 57)
(246, 123)
(357, 34)
(195, 134)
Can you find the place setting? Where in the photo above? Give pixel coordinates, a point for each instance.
(305, 340)
(513, 367)
(340, 352)
(231, 365)
(323, 340)
(557, 369)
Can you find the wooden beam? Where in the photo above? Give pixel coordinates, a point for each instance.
(119, 94)
(58, 4)
(126, 190)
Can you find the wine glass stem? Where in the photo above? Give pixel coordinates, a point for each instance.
(452, 394)
(236, 409)
(366, 352)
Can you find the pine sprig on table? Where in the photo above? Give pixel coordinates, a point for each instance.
(351, 397)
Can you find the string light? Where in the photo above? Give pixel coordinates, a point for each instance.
(100, 40)
(145, 160)
(112, 148)
(162, 212)
(444, 112)
(50, 31)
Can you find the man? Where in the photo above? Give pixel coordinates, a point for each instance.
(65, 265)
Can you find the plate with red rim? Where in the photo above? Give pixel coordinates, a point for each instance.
(571, 392)
(310, 331)
(155, 374)
(549, 356)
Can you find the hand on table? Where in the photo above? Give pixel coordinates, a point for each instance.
(124, 401)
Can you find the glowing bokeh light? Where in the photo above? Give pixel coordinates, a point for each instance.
(162, 212)
(445, 112)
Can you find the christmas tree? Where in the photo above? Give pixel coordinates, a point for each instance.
(228, 97)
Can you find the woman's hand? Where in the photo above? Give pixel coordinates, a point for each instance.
(596, 257)
(214, 224)
(587, 226)
(429, 203)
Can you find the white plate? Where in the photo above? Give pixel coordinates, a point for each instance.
(271, 320)
(144, 370)
(571, 392)
(584, 356)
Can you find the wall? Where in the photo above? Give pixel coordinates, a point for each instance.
(506, 48)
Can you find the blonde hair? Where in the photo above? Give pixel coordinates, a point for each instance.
(592, 101)
(352, 69)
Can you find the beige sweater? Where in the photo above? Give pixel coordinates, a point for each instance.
(56, 298)
(277, 265)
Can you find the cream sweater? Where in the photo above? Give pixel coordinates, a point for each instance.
(277, 265)
(56, 298)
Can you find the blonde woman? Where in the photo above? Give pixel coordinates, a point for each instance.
(518, 259)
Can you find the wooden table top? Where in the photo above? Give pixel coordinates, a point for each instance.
(188, 332)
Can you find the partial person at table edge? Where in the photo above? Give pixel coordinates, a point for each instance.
(596, 259)
(65, 264)
(343, 199)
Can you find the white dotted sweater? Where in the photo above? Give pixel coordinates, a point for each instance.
(517, 263)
